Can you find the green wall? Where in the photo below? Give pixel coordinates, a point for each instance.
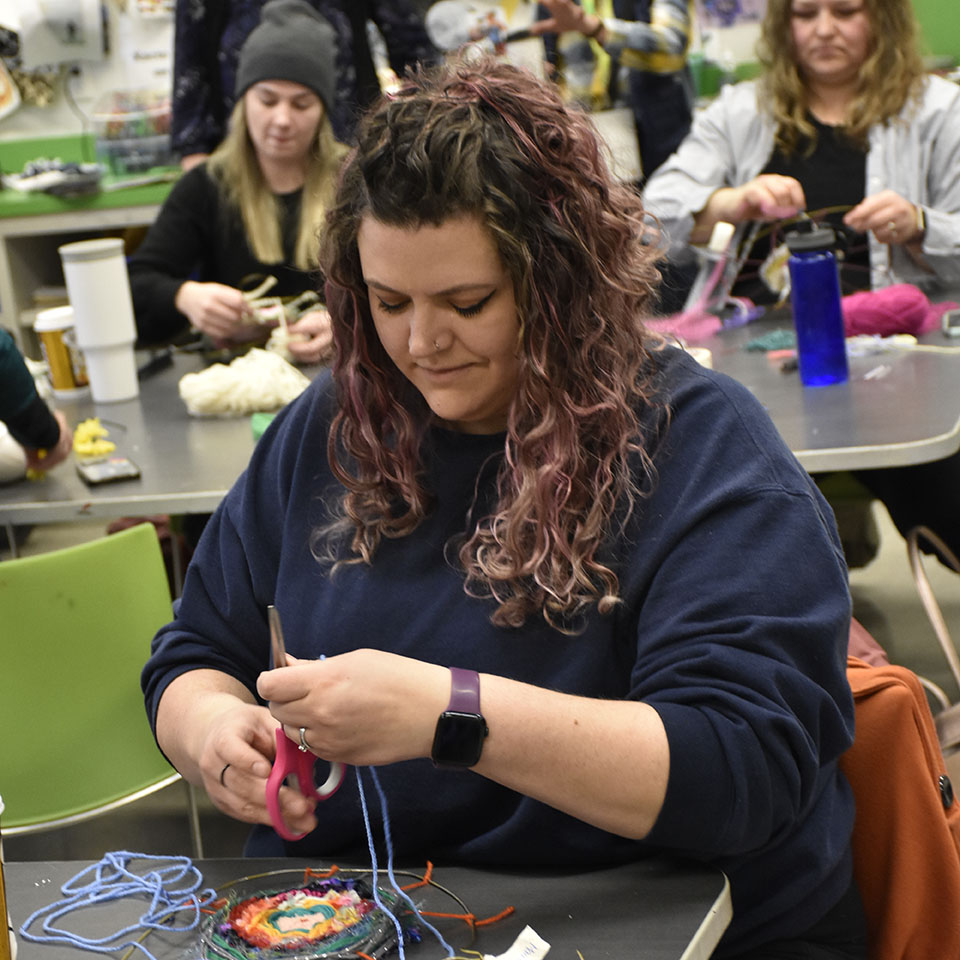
(940, 22)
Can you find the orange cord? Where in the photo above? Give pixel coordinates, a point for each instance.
(469, 918)
(423, 881)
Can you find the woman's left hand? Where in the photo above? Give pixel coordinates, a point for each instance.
(892, 219)
(362, 707)
(311, 338)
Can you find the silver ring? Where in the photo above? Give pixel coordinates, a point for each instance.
(304, 746)
(892, 227)
(222, 772)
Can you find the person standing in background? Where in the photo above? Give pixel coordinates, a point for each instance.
(210, 33)
(651, 38)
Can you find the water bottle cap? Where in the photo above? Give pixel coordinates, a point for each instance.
(805, 241)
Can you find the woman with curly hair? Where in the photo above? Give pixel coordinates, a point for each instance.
(842, 119)
(514, 533)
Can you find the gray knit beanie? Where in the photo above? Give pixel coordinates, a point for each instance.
(291, 42)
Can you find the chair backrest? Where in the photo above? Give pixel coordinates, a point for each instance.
(76, 626)
(906, 838)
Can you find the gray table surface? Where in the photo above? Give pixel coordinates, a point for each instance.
(186, 463)
(910, 414)
(655, 909)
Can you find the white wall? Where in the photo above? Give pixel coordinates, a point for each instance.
(141, 57)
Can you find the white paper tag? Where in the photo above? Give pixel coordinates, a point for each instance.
(529, 945)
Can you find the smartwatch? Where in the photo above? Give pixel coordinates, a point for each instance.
(461, 729)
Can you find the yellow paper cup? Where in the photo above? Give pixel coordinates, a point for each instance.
(68, 372)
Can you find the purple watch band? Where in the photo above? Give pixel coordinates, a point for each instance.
(464, 691)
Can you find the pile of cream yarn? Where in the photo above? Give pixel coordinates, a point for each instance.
(257, 381)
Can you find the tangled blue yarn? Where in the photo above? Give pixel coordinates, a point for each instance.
(171, 885)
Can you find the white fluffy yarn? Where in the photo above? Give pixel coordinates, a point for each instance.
(257, 381)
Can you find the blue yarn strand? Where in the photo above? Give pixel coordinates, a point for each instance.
(112, 879)
(393, 880)
(373, 863)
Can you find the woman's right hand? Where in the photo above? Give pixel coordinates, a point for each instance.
(215, 309)
(235, 762)
(56, 454)
(769, 196)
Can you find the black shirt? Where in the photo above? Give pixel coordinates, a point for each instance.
(833, 177)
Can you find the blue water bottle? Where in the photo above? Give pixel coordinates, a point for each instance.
(817, 314)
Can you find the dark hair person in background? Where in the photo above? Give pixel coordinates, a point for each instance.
(255, 208)
(507, 474)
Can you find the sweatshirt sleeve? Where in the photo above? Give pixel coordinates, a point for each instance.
(170, 253)
(22, 409)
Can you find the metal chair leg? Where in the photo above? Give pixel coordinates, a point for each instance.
(194, 812)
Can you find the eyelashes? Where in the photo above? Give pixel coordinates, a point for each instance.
(470, 311)
(475, 308)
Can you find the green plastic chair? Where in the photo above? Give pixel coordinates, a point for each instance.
(76, 626)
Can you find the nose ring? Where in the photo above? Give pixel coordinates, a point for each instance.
(436, 345)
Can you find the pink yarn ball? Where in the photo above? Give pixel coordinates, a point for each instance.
(902, 308)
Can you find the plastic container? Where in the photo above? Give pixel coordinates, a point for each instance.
(99, 291)
(132, 131)
(817, 312)
(65, 362)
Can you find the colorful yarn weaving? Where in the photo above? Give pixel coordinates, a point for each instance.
(297, 917)
(330, 917)
(902, 308)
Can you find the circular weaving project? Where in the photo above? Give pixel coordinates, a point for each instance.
(329, 918)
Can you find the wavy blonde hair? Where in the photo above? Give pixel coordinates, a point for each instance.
(235, 168)
(487, 139)
(891, 76)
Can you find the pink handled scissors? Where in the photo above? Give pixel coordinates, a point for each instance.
(293, 759)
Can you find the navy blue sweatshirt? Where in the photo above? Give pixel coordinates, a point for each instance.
(733, 626)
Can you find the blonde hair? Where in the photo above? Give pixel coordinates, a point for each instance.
(235, 168)
(891, 76)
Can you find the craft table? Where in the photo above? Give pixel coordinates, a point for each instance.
(656, 909)
(907, 414)
(187, 463)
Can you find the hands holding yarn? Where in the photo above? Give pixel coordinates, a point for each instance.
(218, 310)
(769, 196)
(363, 707)
(311, 338)
(891, 218)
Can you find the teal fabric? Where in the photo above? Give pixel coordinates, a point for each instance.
(17, 391)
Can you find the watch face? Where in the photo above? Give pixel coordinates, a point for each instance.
(458, 741)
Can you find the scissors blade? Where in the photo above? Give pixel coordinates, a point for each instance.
(277, 649)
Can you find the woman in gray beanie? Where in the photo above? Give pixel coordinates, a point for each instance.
(254, 209)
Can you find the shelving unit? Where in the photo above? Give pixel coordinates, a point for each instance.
(34, 226)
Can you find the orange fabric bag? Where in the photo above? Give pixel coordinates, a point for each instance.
(906, 839)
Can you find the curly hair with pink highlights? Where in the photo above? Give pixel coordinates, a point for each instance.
(487, 139)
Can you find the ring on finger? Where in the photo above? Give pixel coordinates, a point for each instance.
(303, 745)
(892, 227)
(222, 772)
